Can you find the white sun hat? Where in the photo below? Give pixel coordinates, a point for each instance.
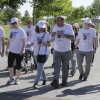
(41, 24)
(13, 20)
(87, 20)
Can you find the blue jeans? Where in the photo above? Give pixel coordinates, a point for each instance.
(40, 70)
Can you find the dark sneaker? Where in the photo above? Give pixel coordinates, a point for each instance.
(64, 84)
(53, 64)
(55, 84)
(23, 70)
(81, 77)
(85, 79)
(17, 82)
(10, 80)
(35, 86)
(44, 82)
(52, 73)
(72, 73)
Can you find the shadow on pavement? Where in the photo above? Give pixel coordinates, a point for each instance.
(81, 91)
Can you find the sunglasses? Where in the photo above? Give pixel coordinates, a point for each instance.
(28, 22)
(13, 23)
(74, 28)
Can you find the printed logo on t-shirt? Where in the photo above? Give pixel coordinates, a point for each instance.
(86, 37)
(60, 35)
(39, 40)
(27, 34)
(13, 35)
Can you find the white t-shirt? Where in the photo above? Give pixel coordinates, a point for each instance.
(86, 39)
(2, 34)
(62, 44)
(15, 37)
(29, 32)
(38, 40)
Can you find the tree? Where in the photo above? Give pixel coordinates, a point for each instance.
(94, 8)
(8, 13)
(11, 3)
(26, 16)
(51, 8)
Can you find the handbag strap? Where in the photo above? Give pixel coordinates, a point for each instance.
(40, 44)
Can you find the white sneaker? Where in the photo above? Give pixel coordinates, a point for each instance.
(91, 64)
(17, 82)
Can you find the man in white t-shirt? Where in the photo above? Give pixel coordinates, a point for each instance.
(29, 30)
(85, 40)
(2, 34)
(15, 50)
(62, 50)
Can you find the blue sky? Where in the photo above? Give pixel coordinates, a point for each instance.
(75, 3)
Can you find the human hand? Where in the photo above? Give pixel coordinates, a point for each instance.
(44, 44)
(6, 53)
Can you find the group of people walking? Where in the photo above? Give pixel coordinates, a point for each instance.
(67, 42)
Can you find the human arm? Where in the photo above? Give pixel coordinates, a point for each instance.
(46, 44)
(7, 47)
(3, 46)
(71, 37)
(76, 45)
(95, 44)
(23, 45)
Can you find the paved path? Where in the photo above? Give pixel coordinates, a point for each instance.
(76, 90)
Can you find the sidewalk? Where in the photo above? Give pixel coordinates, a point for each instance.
(76, 90)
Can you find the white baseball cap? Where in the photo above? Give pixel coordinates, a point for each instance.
(13, 20)
(87, 21)
(41, 24)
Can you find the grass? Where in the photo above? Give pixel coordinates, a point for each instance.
(6, 29)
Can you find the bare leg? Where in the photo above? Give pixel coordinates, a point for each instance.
(17, 73)
(11, 72)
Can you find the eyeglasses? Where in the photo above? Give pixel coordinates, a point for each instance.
(13, 23)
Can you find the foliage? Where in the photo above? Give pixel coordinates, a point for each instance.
(51, 8)
(8, 13)
(26, 16)
(11, 3)
(93, 8)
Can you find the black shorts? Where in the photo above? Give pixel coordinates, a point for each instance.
(12, 57)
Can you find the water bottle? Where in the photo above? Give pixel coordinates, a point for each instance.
(74, 56)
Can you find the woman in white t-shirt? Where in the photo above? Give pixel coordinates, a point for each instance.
(41, 41)
(15, 47)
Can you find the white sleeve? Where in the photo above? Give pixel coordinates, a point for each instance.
(71, 32)
(79, 34)
(2, 32)
(94, 33)
(54, 28)
(48, 37)
(23, 35)
(33, 38)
